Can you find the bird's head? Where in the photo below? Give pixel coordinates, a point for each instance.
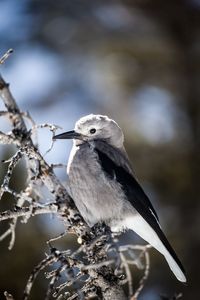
(95, 127)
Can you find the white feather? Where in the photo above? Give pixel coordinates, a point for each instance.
(144, 230)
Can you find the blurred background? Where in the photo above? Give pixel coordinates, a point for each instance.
(137, 61)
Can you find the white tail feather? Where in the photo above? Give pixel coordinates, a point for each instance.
(143, 229)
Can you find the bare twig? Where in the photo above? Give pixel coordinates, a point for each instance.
(12, 163)
(52, 128)
(8, 139)
(144, 278)
(128, 273)
(44, 263)
(8, 296)
(23, 211)
(58, 166)
(5, 56)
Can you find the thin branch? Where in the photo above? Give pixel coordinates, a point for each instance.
(12, 164)
(128, 273)
(58, 166)
(52, 128)
(8, 139)
(8, 296)
(21, 212)
(5, 56)
(44, 263)
(56, 238)
(144, 278)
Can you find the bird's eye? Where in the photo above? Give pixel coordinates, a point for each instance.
(92, 131)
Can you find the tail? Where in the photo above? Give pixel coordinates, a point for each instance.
(156, 238)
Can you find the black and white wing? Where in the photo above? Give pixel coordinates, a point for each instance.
(146, 223)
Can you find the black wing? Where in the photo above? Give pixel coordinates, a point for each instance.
(136, 196)
(130, 185)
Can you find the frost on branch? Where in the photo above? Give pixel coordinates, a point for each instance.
(104, 267)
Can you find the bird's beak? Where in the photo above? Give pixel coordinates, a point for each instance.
(68, 135)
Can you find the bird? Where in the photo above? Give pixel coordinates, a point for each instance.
(104, 187)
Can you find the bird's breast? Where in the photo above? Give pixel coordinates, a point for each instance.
(83, 164)
(97, 197)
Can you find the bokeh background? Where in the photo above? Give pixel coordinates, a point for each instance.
(136, 61)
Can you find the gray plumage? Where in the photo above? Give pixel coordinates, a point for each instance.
(103, 186)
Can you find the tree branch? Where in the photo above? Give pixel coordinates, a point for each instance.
(102, 277)
(18, 212)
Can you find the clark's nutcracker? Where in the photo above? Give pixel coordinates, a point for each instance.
(104, 188)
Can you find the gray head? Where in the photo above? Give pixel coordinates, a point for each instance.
(95, 127)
